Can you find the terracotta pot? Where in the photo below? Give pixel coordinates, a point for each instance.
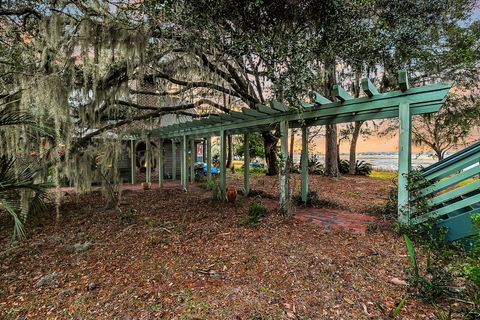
(231, 195)
(146, 185)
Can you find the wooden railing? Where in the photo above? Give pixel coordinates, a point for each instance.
(454, 192)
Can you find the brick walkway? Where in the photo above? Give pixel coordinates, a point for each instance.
(324, 217)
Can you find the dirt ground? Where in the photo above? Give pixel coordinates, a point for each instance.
(354, 193)
(176, 255)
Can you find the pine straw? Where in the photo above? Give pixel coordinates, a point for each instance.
(180, 256)
(353, 193)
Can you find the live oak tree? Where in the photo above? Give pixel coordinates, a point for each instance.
(87, 68)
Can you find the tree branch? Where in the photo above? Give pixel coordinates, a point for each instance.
(170, 109)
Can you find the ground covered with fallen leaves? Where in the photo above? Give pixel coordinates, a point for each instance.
(174, 255)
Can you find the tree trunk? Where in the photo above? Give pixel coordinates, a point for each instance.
(230, 151)
(331, 151)
(331, 145)
(353, 147)
(440, 154)
(270, 146)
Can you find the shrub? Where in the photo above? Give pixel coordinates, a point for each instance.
(313, 200)
(388, 210)
(256, 212)
(362, 168)
(315, 166)
(432, 282)
(213, 185)
(471, 270)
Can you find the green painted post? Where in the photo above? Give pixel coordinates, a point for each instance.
(209, 158)
(246, 164)
(133, 161)
(404, 161)
(193, 152)
(181, 161)
(160, 163)
(185, 162)
(148, 166)
(304, 163)
(204, 153)
(223, 169)
(174, 160)
(284, 167)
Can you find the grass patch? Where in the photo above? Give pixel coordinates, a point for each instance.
(383, 174)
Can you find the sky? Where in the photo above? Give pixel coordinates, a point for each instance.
(377, 144)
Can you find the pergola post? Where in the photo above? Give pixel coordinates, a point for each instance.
(148, 166)
(160, 163)
(181, 161)
(185, 163)
(133, 161)
(193, 152)
(404, 161)
(246, 164)
(204, 150)
(174, 160)
(223, 159)
(304, 164)
(209, 157)
(284, 167)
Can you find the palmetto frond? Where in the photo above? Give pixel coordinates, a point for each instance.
(11, 117)
(14, 181)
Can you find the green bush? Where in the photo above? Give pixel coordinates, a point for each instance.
(362, 168)
(213, 185)
(256, 212)
(315, 166)
(313, 200)
(429, 283)
(471, 270)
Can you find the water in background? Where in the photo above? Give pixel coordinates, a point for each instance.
(382, 160)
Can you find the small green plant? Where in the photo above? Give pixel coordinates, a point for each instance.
(394, 312)
(389, 209)
(431, 283)
(256, 212)
(125, 216)
(442, 315)
(213, 185)
(313, 200)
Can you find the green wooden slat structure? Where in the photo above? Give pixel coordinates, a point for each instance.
(455, 192)
(403, 103)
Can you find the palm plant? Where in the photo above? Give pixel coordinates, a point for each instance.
(19, 193)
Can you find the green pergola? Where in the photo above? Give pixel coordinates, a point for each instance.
(403, 103)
